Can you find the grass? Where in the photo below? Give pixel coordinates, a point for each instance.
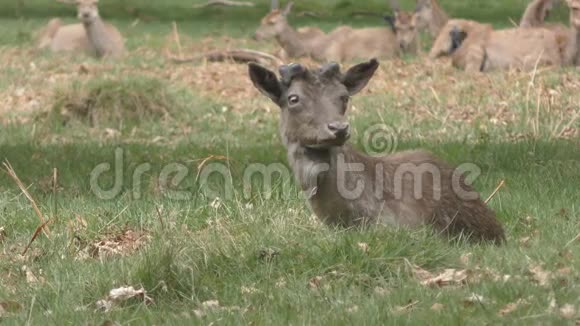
(260, 252)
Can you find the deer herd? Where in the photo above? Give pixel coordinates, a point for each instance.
(343, 186)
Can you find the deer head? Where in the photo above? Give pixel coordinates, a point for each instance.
(314, 103)
(273, 23)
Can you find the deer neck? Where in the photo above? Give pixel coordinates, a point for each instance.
(97, 35)
(291, 42)
(438, 20)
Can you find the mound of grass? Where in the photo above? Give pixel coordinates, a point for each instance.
(111, 103)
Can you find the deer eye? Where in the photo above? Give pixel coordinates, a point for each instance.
(293, 99)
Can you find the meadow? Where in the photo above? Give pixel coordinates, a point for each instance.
(221, 249)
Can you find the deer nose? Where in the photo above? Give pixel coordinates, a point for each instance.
(339, 129)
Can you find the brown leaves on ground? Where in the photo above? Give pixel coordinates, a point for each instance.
(124, 243)
(511, 307)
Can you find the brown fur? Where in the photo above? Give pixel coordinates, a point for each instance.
(572, 54)
(342, 44)
(406, 32)
(92, 36)
(392, 189)
(536, 13)
(484, 49)
(429, 14)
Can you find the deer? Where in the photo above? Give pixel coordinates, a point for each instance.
(572, 55)
(344, 43)
(92, 35)
(404, 27)
(346, 188)
(276, 23)
(535, 15)
(429, 14)
(476, 47)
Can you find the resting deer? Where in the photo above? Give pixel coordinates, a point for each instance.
(477, 47)
(347, 188)
(275, 23)
(429, 14)
(92, 36)
(404, 26)
(573, 50)
(342, 44)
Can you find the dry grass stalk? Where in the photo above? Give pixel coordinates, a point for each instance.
(10, 171)
(35, 235)
(177, 40)
(501, 184)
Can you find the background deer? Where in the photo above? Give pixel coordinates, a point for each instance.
(92, 36)
(315, 130)
(573, 49)
(342, 44)
(477, 47)
(429, 14)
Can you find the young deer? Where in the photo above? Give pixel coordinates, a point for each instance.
(92, 36)
(477, 47)
(342, 44)
(429, 14)
(347, 188)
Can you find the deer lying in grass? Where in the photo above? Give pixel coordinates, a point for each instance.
(92, 36)
(429, 14)
(275, 23)
(477, 47)
(404, 27)
(347, 188)
(572, 55)
(342, 44)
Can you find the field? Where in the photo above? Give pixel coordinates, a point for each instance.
(133, 142)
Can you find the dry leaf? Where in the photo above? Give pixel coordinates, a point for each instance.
(568, 311)
(2, 234)
(419, 273)
(473, 299)
(511, 307)
(121, 294)
(525, 241)
(405, 308)
(364, 247)
(315, 282)
(540, 275)
(466, 258)
(30, 277)
(249, 290)
(448, 277)
(437, 307)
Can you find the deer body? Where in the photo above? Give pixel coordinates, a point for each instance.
(342, 44)
(345, 187)
(92, 36)
(477, 47)
(572, 55)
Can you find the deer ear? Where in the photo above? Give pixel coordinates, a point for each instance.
(265, 81)
(390, 21)
(357, 77)
(288, 8)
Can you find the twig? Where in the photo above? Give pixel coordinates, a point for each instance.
(177, 40)
(34, 236)
(20, 185)
(160, 217)
(54, 195)
(576, 238)
(238, 55)
(227, 3)
(501, 183)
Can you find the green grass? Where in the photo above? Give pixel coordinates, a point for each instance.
(259, 252)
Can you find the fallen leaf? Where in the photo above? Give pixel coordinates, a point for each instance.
(315, 282)
(406, 308)
(122, 294)
(249, 290)
(437, 307)
(30, 277)
(364, 247)
(466, 258)
(448, 277)
(568, 311)
(473, 299)
(540, 275)
(511, 307)
(525, 241)
(419, 273)
(2, 234)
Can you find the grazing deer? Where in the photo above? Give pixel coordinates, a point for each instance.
(429, 14)
(477, 47)
(347, 188)
(342, 44)
(92, 36)
(573, 50)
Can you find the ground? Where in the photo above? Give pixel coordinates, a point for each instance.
(258, 255)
